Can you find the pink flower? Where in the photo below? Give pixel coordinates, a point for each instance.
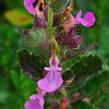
(34, 6)
(29, 5)
(53, 79)
(36, 101)
(88, 20)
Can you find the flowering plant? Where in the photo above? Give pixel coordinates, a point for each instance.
(56, 35)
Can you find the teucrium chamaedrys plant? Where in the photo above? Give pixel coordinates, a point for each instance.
(55, 33)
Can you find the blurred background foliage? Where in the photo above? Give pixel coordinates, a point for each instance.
(91, 69)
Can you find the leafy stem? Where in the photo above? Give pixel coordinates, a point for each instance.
(50, 31)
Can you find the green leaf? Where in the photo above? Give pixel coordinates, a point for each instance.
(102, 100)
(21, 82)
(72, 53)
(59, 5)
(87, 65)
(95, 83)
(35, 38)
(23, 88)
(69, 63)
(84, 68)
(30, 64)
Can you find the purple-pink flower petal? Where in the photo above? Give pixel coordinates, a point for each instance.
(46, 12)
(53, 80)
(54, 61)
(79, 14)
(88, 20)
(40, 20)
(33, 104)
(28, 5)
(69, 24)
(36, 101)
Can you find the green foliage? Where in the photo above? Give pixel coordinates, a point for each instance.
(58, 5)
(22, 91)
(30, 64)
(35, 37)
(84, 72)
(90, 72)
(81, 104)
(50, 31)
(84, 5)
(104, 42)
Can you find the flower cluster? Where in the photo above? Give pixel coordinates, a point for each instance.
(50, 83)
(36, 7)
(68, 36)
